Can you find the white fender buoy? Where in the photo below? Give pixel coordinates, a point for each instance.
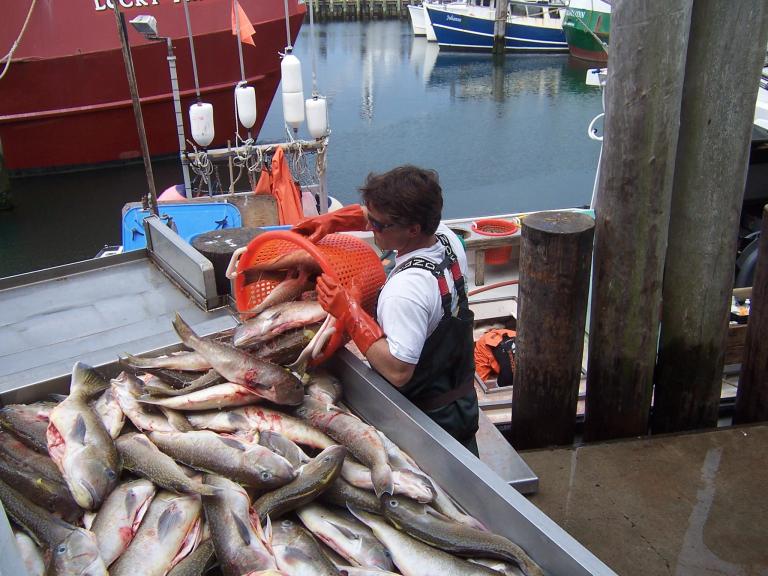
(317, 116)
(292, 90)
(245, 97)
(201, 122)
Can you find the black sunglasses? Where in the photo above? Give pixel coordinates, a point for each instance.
(378, 226)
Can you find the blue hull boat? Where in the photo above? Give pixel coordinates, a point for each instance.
(536, 29)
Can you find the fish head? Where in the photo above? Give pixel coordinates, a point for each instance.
(90, 480)
(78, 555)
(274, 470)
(278, 386)
(327, 464)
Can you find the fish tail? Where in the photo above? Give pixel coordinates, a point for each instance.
(132, 361)
(86, 382)
(383, 483)
(208, 489)
(184, 330)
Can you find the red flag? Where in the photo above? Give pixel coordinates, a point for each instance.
(246, 28)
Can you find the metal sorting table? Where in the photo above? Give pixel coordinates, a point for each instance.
(475, 486)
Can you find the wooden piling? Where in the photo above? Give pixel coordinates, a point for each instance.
(555, 259)
(643, 96)
(726, 50)
(500, 27)
(752, 395)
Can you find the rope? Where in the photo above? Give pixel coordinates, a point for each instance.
(9, 57)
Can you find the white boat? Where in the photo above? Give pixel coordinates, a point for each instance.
(761, 106)
(416, 12)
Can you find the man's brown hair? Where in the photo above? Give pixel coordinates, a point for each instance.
(407, 194)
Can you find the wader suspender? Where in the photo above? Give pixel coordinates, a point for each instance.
(449, 261)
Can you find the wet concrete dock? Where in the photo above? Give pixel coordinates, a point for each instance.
(685, 504)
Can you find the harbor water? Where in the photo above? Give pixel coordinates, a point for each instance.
(505, 135)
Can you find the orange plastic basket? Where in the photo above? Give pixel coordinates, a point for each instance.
(345, 258)
(497, 227)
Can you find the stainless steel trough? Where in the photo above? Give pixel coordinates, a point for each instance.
(475, 486)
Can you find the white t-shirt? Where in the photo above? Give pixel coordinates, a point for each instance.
(409, 307)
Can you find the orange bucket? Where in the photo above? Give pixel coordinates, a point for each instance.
(497, 227)
(345, 258)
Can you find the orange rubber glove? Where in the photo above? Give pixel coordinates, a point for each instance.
(346, 308)
(347, 219)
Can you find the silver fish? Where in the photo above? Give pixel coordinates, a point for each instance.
(345, 535)
(270, 381)
(158, 387)
(168, 533)
(28, 422)
(323, 386)
(36, 476)
(196, 563)
(189, 361)
(278, 319)
(283, 446)
(429, 526)
(341, 493)
(127, 389)
(312, 479)
(362, 440)
(298, 553)
(259, 418)
(404, 482)
(414, 558)
(119, 517)
(238, 541)
(220, 396)
(73, 550)
(249, 464)
(77, 555)
(31, 554)
(79, 443)
(142, 457)
(364, 571)
(287, 291)
(108, 409)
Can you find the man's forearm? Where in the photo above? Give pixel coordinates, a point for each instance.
(397, 372)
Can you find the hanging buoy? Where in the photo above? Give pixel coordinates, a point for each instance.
(292, 90)
(201, 121)
(245, 98)
(317, 116)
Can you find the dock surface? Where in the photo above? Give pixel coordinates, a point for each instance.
(684, 504)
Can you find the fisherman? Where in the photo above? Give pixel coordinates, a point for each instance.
(422, 343)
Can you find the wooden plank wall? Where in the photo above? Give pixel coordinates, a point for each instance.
(359, 9)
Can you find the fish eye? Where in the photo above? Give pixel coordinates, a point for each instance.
(61, 549)
(266, 476)
(111, 474)
(287, 523)
(393, 503)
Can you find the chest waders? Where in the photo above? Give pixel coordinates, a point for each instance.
(443, 382)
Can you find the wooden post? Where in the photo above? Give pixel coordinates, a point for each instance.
(643, 96)
(555, 258)
(752, 395)
(726, 50)
(500, 27)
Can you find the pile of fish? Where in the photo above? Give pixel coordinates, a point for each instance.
(220, 459)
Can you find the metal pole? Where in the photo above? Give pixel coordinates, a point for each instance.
(192, 49)
(322, 193)
(127, 60)
(179, 118)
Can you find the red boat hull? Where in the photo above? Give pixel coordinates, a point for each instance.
(65, 99)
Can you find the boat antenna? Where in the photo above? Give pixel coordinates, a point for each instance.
(236, 10)
(312, 48)
(192, 49)
(287, 28)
